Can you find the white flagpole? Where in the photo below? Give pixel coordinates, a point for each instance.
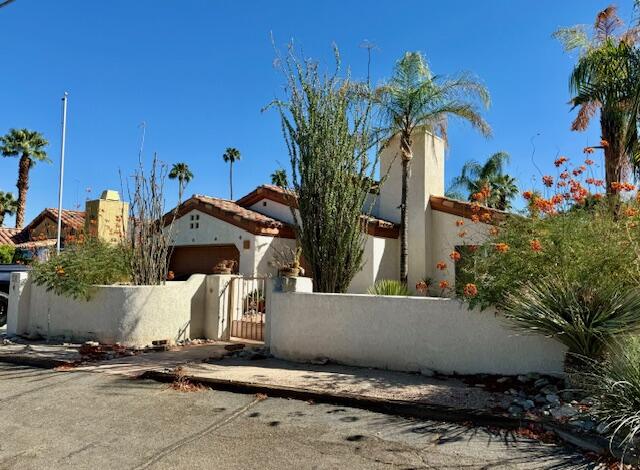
(60, 184)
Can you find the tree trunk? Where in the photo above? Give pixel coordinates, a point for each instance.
(180, 191)
(23, 187)
(231, 180)
(614, 150)
(405, 150)
(1, 218)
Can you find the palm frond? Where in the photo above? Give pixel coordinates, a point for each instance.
(607, 23)
(572, 38)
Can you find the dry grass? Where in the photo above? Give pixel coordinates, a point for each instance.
(182, 383)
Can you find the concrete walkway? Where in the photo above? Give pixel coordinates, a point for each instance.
(336, 379)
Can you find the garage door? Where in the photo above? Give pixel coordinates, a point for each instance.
(187, 260)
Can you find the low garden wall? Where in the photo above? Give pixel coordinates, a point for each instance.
(131, 315)
(403, 333)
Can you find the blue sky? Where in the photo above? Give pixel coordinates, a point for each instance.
(198, 72)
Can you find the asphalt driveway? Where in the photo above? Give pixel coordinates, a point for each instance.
(93, 420)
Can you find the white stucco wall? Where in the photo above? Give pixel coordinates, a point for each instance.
(381, 261)
(274, 210)
(426, 179)
(404, 333)
(131, 315)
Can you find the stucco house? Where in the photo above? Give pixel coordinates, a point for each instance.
(105, 217)
(39, 235)
(205, 230)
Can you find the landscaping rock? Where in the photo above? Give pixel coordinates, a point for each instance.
(502, 380)
(549, 390)
(553, 399)
(541, 383)
(564, 411)
(515, 410)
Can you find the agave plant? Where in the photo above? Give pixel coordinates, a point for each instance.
(389, 287)
(615, 382)
(585, 318)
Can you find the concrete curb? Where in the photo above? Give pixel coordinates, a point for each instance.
(405, 409)
(34, 361)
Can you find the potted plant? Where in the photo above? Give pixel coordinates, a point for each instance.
(224, 267)
(293, 269)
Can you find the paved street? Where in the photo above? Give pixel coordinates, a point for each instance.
(95, 420)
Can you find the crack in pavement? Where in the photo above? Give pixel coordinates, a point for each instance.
(194, 437)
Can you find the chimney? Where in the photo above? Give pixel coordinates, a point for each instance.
(107, 217)
(426, 179)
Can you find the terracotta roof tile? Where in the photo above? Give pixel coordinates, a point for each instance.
(229, 211)
(9, 236)
(235, 209)
(13, 236)
(375, 225)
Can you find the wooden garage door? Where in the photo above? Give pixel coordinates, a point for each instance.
(187, 260)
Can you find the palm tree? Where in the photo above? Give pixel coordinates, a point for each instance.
(279, 178)
(416, 99)
(475, 177)
(230, 156)
(182, 173)
(604, 80)
(8, 206)
(29, 146)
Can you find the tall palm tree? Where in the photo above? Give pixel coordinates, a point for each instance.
(182, 173)
(8, 206)
(414, 99)
(475, 176)
(279, 178)
(604, 80)
(29, 146)
(230, 156)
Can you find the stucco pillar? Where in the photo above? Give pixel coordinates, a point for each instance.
(19, 300)
(218, 304)
(277, 286)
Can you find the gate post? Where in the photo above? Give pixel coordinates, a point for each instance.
(219, 301)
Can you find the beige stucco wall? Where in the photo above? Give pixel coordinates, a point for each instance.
(107, 219)
(404, 333)
(131, 315)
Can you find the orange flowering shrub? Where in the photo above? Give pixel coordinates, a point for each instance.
(470, 290)
(572, 230)
(82, 265)
(455, 256)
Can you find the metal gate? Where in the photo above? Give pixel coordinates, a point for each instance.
(248, 308)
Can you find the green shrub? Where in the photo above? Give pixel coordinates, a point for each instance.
(584, 317)
(580, 245)
(615, 384)
(389, 287)
(80, 266)
(6, 254)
